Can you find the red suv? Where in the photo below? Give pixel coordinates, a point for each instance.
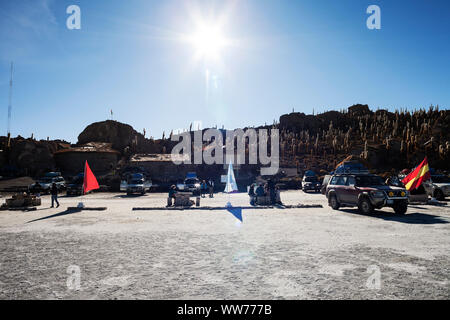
(366, 191)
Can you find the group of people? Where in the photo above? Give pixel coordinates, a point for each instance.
(207, 187)
(268, 189)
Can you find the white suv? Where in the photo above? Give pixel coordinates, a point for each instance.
(438, 186)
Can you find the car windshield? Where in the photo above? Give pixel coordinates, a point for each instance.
(137, 181)
(45, 180)
(51, 175)
(369, 181)
(440, 179)
(311, 179)
(78, 180)
(191, 181)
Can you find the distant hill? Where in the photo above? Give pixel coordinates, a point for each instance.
(385, 140)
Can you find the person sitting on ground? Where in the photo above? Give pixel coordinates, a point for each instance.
(260, 191)
(172, 193)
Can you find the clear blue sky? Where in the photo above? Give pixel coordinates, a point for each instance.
(129, 56)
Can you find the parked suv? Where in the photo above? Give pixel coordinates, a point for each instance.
(311, 183)
(438, 186)
(75, 187)
(44, 184)
(367, 192)
(135, 183)
(190, 185)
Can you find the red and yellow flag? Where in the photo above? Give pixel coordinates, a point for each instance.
(416, 177)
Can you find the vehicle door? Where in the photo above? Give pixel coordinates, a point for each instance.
(341, 191)
(123, 185)
(147, 184)
(428, 185)
(351, 191)
(331, 185)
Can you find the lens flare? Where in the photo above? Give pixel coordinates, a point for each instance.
(208, 41)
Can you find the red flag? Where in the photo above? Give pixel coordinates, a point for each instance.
(416, 177)
(89, 182)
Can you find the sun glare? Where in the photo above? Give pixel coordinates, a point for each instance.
(208, 41)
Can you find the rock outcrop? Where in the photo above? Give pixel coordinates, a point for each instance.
(388, 140)
(122, 137)
(29, 156)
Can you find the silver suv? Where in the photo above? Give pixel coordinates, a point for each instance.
(438, 186)
(44, 184)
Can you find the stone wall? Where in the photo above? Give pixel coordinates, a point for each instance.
(72, 162)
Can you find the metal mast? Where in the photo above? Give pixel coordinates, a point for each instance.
(10, 98)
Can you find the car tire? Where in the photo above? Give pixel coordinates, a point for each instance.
(364, 206)
(439, 195)
(334, 203)
(401, 208)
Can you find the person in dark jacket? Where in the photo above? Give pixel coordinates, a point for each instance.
(251, 193)
(259, 192)
(203, 188)
(211, 188)
(271, 191)
(54, 192)
(172, 195)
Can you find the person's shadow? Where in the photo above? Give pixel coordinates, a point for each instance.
(410, 218)
(62, 213)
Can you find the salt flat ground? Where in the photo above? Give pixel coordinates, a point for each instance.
(308, 253)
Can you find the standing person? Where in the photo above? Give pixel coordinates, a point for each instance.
(271, 191)
(211, 188)
(54, 192)
(278, 195)
(203, 188)
(251, 193)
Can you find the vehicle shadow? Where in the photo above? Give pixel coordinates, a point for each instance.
(410, 218)
(134, 195)
(417, 207)
(62, 213)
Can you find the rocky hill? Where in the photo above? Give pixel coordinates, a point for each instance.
(387, 140)
(122, 137)
(28, 156)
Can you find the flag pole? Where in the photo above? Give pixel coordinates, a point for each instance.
(81, 204)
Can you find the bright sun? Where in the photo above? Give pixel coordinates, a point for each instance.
(208, 41)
